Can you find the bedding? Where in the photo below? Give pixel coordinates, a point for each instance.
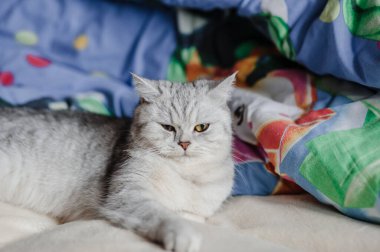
(296, 130)
(245, 224)
(78, 54)
(337, 37)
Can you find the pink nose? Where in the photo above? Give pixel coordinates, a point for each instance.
(184, 145)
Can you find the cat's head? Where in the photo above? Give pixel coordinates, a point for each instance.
(184, 120)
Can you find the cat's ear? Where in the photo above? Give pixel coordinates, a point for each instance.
(222, 90)
(147, 89)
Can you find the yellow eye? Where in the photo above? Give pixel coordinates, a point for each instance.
(201, 127)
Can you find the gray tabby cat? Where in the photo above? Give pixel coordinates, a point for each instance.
(173, 161)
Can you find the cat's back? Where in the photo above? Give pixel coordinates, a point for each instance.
(57, 123)
(44, 131)
(13, 116)
(47, 157)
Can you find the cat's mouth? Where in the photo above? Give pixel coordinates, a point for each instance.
(189, 153)
(180, 154)
(183, 155)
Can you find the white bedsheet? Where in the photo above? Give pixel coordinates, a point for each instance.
(273, 223)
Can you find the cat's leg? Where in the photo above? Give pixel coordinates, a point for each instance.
(136, 209)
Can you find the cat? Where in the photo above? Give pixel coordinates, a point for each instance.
(170, 163)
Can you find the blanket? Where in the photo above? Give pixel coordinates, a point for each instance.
(295, 130)
(337, 37)
(78, 54)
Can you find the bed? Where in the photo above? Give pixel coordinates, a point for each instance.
(306, 107)
(247, 223)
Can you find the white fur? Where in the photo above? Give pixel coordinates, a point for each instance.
(74, 166)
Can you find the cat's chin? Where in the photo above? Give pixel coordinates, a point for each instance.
(182, 156)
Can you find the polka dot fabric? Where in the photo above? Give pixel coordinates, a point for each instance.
(81, 42)
(28, 38)
(37, 61)
(6, 78)
(51, 51)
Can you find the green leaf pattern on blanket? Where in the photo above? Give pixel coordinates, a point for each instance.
(178, 62)
(373, 104)
(91, 104)
(344, 165)
(363, 18)
(279, 32)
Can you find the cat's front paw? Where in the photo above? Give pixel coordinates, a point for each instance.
(177, 235)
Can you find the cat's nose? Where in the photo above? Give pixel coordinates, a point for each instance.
(184, 145)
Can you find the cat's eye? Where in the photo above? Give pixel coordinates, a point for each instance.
(168, 127)
(201, 127)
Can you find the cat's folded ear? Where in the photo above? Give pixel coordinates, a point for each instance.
(222, 90)
(147, 89)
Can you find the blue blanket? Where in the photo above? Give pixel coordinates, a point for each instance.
(79, 54)
(91, 46)
(337, 37)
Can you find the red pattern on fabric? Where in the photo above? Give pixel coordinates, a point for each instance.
(37, 61)
(6, 78)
